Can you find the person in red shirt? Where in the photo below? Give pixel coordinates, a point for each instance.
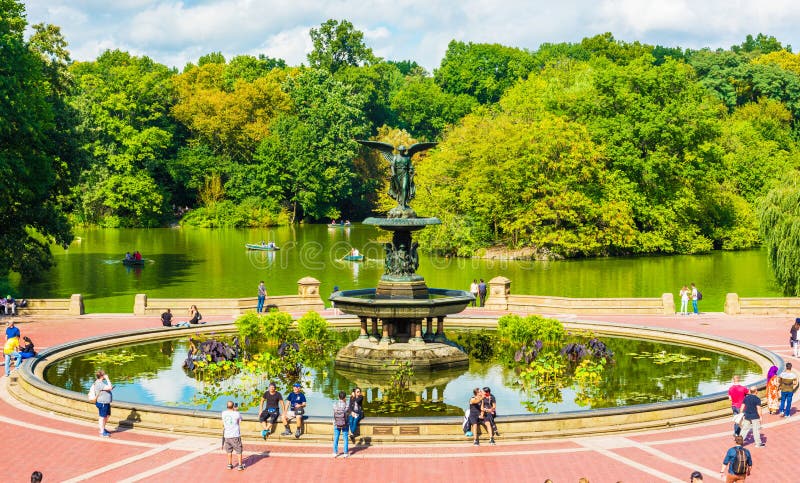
(736, 393)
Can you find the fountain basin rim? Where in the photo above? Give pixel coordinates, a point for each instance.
(400, 224)
(32, 387)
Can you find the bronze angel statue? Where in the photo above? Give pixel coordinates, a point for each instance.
(401, 183)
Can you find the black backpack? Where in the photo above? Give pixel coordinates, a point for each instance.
(739, 464)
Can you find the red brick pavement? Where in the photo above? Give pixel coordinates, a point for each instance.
(65, 450)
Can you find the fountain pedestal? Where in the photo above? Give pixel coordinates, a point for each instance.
(402, 302)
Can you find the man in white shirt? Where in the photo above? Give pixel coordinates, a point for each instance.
(232, 434)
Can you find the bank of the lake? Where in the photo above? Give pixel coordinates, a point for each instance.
(196, 262)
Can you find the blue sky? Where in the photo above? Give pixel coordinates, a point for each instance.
(176, 32)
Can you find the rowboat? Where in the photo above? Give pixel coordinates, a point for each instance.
(354, 258)
(133, 263)
(265, 248)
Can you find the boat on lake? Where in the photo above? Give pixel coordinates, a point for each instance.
(132, 262)
(354, 258)
(265, 248)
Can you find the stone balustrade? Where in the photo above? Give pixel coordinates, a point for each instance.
(735, 305)
(306, 300)
(54, 307)
(501, 298)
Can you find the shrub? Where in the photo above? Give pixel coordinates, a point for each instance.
(249, 326)
(275, 325)
(312, 326)
(517, 330)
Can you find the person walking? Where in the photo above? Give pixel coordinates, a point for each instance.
(473, 289)
(232, 434)
(262, 296)
(340, 425)
(695, 297)
(102, 389)
(736, 394)
(684, 294)
(773, 390)
(793, 337)
(737, 462)
(789, 382)
(752, 416)
(482, 292)
(355, 412)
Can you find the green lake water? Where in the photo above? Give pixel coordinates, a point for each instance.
(193, 262)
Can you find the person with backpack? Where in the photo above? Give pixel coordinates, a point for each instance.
(737, 461)
(751, 407)
(696, 295)
(340, 425)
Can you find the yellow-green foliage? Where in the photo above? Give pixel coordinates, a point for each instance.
(517, 330)
(272, 326)
(312, 326)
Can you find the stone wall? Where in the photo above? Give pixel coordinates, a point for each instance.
(307, 299)
(735, 305)
(501, 298)
(54, 307)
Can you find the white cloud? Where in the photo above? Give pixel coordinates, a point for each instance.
(175, 32)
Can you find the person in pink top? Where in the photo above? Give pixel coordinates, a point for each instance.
(736, 393)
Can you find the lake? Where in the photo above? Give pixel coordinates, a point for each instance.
(197, 262)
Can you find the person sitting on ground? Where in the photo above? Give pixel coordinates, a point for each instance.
(195, 320)
(166, 318)
(11, 305)
(295, 408)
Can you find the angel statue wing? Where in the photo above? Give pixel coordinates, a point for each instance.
(419, 147)
(386, 149)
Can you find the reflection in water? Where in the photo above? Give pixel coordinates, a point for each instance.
(196, 262)
(643, 372)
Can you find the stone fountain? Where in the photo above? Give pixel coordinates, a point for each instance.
(402, 302)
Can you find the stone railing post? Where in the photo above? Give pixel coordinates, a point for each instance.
(732, 305)
(140, 304)
(76, 304)
(668, 302)
(308, 287)
(499, 290)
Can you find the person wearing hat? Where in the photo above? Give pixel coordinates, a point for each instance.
(11, 305)
(295, 408)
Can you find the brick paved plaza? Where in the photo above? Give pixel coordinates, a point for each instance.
(66, 450)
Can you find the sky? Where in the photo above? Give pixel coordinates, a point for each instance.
(176, 32)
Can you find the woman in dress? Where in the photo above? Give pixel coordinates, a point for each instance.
(773, 390)
(685, 300)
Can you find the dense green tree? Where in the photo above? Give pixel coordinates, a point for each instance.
(306, 161)
(409, 67)
(483, 71)
(617, 51)
(377, 83)
(34, 175)
(230, 119)
(760, 44)
(779, 220)
(337, 44)
(124, 103)
(425, 110)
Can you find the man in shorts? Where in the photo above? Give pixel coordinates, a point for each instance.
(269, 409)
(232, 434)
(295, 408)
